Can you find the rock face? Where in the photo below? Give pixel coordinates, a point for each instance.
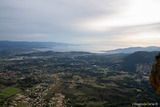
(155, 75)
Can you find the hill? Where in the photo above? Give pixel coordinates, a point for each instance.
(15, 45)
(133, 49)
(140, 61)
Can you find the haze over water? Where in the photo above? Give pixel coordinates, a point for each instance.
(86, 48)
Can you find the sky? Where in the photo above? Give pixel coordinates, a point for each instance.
(102, 24)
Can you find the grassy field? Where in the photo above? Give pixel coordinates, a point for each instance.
(22, 105)
(8, 92)
(11, 91)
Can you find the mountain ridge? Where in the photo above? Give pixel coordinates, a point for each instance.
(23, 45)
(133, 49)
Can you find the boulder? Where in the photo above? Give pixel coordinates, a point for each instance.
(155, 75)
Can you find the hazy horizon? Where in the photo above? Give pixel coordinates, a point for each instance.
(102, 24)
(66, 47)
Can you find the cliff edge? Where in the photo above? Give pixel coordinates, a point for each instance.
(155, 75)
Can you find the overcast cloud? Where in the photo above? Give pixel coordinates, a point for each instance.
(106, 23)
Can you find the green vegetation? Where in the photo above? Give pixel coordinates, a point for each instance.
(11, 91)
(22, 105)
(74, 79)
(8, 92)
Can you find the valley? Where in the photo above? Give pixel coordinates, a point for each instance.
(75, 79)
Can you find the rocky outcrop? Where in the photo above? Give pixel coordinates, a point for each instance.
(155, 75)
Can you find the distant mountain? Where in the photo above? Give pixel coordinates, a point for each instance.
(15, 45)
(133, 49)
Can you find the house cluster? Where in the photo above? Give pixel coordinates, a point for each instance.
(57, 100)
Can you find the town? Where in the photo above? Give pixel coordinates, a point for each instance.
(70, 79)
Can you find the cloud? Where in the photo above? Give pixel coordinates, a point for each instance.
(104, 22)
(137, 12)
